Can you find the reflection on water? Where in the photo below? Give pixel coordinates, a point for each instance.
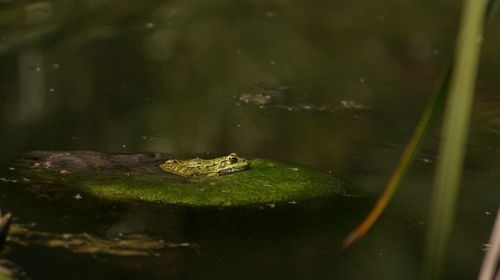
(335, 85)
(31, 85)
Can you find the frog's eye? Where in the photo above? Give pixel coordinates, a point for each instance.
(233, 158)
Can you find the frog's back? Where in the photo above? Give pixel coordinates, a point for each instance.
(190, 168)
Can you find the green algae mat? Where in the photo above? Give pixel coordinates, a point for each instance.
(122, 177)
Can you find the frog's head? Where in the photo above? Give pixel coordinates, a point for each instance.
(232, 163)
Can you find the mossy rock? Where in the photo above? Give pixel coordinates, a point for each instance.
(265, 182)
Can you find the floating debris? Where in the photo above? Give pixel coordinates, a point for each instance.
(84, 243)
(5, 222)
(350, 104)
(8, 270)
(254, 98)
(67, 235)
(271, 101)
(8, 180)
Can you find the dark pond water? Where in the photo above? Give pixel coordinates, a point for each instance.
(336, 85)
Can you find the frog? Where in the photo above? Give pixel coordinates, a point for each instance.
(198, 167)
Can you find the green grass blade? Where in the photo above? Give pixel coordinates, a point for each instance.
(427, 122)
(454, 136)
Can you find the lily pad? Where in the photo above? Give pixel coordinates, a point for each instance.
(138, 177)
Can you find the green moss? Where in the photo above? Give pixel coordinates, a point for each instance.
(264, 182)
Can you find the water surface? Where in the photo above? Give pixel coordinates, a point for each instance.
(347, 82)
